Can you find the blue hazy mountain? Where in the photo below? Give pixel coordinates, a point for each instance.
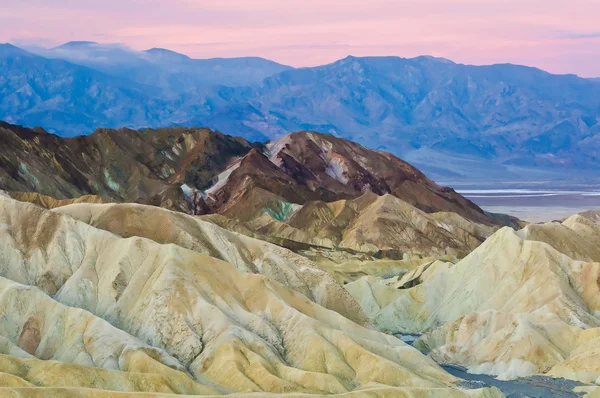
(449, 119)
(427, 107)
(164, 68)
(71, 99)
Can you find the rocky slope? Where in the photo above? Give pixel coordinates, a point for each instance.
(92, 313)
(309, 166)
(522, 303)
(351, 167)
(246, 254)
(578, 237)
(48, 202)
(369, 224)
(201, 171)
(147, 166)
(292, 259)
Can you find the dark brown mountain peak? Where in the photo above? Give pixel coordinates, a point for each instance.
(144, 166)
(349, 169)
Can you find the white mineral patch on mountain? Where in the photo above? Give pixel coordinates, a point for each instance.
(222, 178)
(335, 169)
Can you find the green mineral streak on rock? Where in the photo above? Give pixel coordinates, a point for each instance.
(95, 186)
(112, 184)
(25, 174)
(283, 210)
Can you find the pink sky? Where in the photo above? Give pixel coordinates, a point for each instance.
(561, 36)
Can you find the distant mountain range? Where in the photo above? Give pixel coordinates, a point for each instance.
(162, 68)
(453, 121)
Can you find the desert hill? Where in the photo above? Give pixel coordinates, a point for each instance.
(161, 318)
(292, 267)
(522, 303)
(368, 224)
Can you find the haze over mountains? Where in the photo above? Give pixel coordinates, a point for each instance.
(164, 68)
(451, 120)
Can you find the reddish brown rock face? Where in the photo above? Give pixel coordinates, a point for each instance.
(29, 340)
(304, 167)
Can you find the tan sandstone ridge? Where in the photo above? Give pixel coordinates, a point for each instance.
(578, 237)
(368, 235)
(371, 223)
(515, 306)
(246, 254)
(87, 312)
(374, 225)
(48, 202)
